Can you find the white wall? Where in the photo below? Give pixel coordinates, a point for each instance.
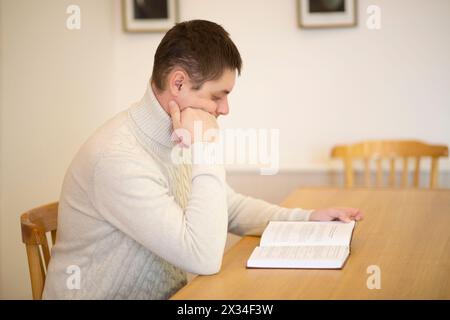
(319, 87)
(323, 87)
(1, 158)
(59, 86)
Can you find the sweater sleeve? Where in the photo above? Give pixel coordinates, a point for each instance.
(249, 216)
(133, 197)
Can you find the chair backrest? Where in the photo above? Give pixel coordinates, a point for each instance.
(35, 224)
(390, 150)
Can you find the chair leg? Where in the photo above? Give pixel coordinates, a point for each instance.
(434, 172)
(36, 267)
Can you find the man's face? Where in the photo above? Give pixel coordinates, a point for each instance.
(212, 97)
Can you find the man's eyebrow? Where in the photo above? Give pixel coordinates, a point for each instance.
(225, 92)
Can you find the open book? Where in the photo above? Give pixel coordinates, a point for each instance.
(309, 245)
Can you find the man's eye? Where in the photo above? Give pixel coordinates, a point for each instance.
(214, 98)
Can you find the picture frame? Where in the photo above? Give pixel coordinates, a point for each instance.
(313, 14)
(149, 15)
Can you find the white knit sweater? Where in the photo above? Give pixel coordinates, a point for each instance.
(133, 223)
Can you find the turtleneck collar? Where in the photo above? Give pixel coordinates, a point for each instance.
(152, 120)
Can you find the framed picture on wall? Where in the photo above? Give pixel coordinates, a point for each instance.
(326, 13)
(149, 15)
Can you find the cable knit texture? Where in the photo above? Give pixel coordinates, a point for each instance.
(131, 223)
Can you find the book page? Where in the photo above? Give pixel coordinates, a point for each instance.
(298, 257)
(296, 233)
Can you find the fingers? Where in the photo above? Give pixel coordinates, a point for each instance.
(352, 214)
(358, 215)
(337, 213)
(175, 114)
(344, 216)
(347, 214)
(355, 214)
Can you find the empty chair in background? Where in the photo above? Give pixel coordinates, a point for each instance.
(389, 150)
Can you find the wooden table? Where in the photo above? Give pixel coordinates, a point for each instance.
(405, 232)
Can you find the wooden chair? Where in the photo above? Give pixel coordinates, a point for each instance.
(35, 225)
(390, 150)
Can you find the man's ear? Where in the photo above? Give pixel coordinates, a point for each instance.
(177, 79)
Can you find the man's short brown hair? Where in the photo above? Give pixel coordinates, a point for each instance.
(202, 48)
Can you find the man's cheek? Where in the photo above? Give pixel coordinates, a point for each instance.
(206, 105)
(188, 99)
(183, 100)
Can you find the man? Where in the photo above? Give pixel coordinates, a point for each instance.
(131, 221)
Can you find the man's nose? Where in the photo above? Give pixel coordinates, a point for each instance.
(223, 108)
